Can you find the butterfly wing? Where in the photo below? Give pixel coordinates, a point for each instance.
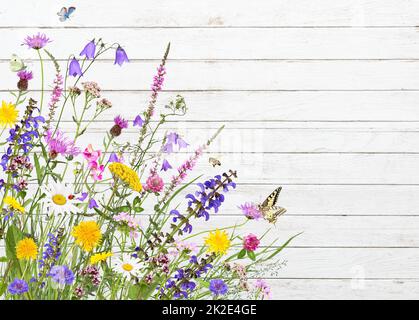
(62, 14)
(272, 199)
(70, 11)
(271, 214)
(16, 64)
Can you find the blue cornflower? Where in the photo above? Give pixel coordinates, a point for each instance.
(18, 286)
(218, 287)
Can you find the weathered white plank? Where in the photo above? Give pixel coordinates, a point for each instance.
(250, 75)
(216, 13)
(278, 140)
(348, 289)
(236, 43)
(323, 231)
(277, 106)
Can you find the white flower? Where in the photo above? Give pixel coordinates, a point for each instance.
(59, 199)
(126, 265)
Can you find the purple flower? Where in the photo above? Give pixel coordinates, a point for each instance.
(62, 275)
(83, 196)
(251, 211)
(114, 158)
(120, 56)
(218, 287)
(18, 286)
(89, 50)
(172, 139)
(166, 165)
(138, 121)
(36, 41)
(25, 75)
(74, 69)
(60, 145)
(93, 204)
(120, 122)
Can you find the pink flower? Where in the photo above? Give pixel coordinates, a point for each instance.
(264, 288)
(59, 144)
(130, 221)
(154, 183)
(57, 91)
(250, 242)
(91, 155)
(251, 211)
(96, 169)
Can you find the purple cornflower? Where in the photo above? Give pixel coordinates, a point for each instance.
(166, 165)
(120, 56)
(218, 287)
(89, 50)
(18, 286)
(62, 275)
(74, 68)
(60, 145)
(25, 75)
(251, 211)
(138, 121)
(36, 41)
(120, 123)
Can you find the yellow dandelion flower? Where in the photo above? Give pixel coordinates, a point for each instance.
(14, 204)
(99, 257)
(127, 175)
(26, 249)
(8, 114)
(87, 235)
(218, 242)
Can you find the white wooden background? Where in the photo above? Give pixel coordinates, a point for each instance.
(319, 96)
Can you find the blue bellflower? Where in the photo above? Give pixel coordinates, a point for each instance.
(74, 68)
(120, 56)
(89, 50)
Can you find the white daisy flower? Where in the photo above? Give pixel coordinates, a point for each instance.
(126, 265)
(59, 199)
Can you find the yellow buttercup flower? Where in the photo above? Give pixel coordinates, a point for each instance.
(14, 204)
(127, 175)
(99, 257)
(87, 235)
(218, 242)
(26, 249)
(8, 114)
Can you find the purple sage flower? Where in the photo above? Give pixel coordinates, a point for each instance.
(166, 165)
(36, 41)
(138, 121)
(89, 50)
(74, 69)
(18, 286)
(218, 287)
(120, 56)
(62, 275)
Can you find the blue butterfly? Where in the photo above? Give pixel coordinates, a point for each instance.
(65, 13)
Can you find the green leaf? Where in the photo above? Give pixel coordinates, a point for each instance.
(3, 287)
(282, 247)
(134, 292)
(242, 254)
(251, 255)
(3, 259)
(38, 168)
(12, 237)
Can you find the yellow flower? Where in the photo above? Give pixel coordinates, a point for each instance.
(26, 249)
(127, 175)
(99, 257)
(218, 242)
(87, 234)
(14, 204)
(8, 114)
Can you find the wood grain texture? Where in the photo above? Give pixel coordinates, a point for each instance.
(320, 97)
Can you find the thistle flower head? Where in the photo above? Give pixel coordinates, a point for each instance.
(37, 41)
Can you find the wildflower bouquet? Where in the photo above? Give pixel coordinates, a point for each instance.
(104, 222)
